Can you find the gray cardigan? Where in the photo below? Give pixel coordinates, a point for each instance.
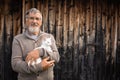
(22, 44)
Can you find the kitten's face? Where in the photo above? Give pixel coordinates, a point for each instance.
(48, 41)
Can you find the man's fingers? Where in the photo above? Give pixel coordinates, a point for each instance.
(27, 58)
(47, 63)
(47, 58)
(52, 61)
(33, 54)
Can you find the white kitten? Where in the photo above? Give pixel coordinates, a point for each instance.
(45, 45)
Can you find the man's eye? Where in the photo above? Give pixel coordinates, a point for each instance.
(32, 18)
(37, 18)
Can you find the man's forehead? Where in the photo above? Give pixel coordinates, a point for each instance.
(33, 13)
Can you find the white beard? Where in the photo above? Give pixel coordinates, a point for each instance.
(33, 29)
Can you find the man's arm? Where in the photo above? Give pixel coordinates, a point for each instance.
(17, 61)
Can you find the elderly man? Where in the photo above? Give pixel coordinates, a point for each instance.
(23, 50)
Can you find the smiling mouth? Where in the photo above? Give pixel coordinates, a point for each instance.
(34, 25)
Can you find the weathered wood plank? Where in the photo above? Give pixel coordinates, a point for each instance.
(45, 16)
(23, 15)
(115, 35)
(59, 24)
(1, 47)
(28, 5)
(8, 27)
(107, 39)
(71, 23)
(74, 23)
(65, 25)
(51, 14)
(17, 24)
(82, 25)
(118, 16)
(88, 19)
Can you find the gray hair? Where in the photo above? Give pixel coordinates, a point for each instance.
(32, 10)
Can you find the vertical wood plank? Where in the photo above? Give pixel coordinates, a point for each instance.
(76, 35)
(76, 24)
(119, 22)
(23, 15)
(8, 28)
(115, 35)
(71, 23)
(28, 5)
(65, 25)
(1, 47)
(59, 24)
(88, 19)
(107, 33)
(45, 16)
(51, 15)
(39, 5)
(81, 25)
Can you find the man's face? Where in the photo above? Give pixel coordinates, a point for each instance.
(34, 22)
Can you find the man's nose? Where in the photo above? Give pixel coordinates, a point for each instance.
(34, 20)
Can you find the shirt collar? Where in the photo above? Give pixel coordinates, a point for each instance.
(34, 37)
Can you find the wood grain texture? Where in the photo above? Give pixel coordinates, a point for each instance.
(87, 34)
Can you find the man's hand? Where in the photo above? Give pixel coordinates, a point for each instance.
(33, 55)
(46, 63)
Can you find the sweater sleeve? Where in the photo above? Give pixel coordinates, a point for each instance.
(18, 63)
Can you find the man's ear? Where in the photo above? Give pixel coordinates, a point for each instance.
(25, 22)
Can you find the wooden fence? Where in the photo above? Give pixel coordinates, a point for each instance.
(87, 34)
